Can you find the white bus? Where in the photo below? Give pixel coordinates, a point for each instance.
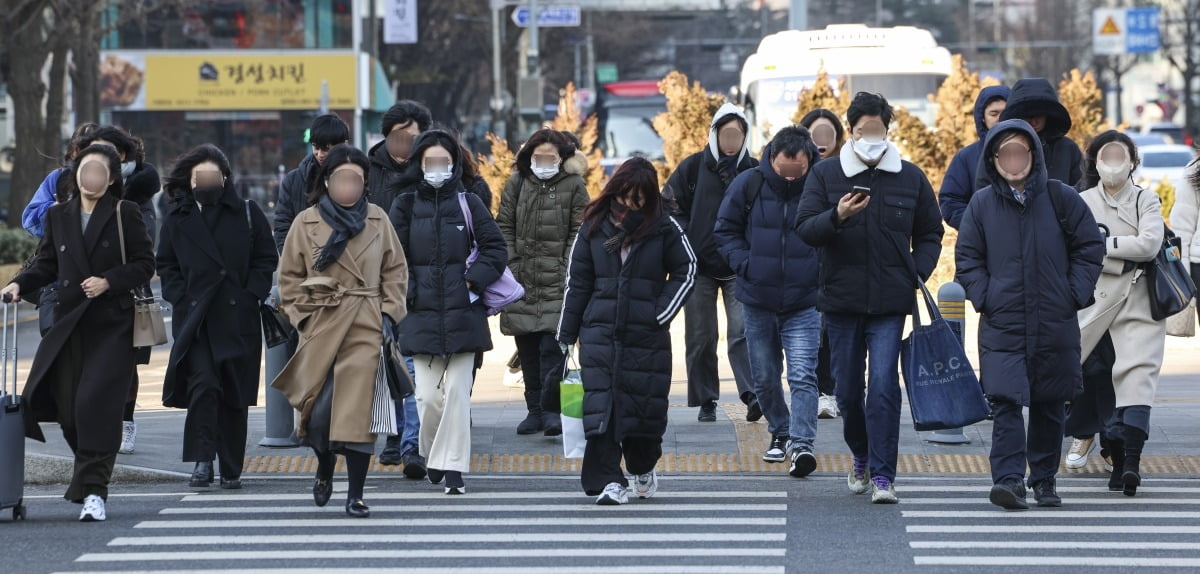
(905, 64)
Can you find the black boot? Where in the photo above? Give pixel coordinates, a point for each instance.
(1116, 449)
(391, 455)
(1131, 478)
(534, 421)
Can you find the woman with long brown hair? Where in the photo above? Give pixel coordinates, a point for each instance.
(631, 271)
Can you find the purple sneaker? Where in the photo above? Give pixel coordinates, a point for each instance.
(857, 479)
(883, 491)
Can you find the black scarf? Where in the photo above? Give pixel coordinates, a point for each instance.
(626, 222)
(346, 222)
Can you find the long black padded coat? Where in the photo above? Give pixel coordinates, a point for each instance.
(620, 313)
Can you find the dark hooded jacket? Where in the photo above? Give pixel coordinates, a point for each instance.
(1028, 269)
(697, 202)
(959, 184)
(1033, 97)
(620, 313)
(776, 270)
(388, 179)
(140, 188)
(293, 198)
(442, 320)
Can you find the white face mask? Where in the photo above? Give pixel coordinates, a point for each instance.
(870, 150)
(127, 168)
(437, 179)
(1113, 175)
(544, 173)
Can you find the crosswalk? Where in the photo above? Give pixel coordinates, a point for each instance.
(952, 525)
(502, 531)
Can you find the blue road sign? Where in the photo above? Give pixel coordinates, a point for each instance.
(549, 16)
(1141, 30)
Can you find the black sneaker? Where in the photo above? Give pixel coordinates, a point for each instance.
(803, 462)
(414, 465)
(1009, 494)
(391, 455)
(777, 452)
(753, 411)
(531, 425)
(708, 412)
(1046, 495)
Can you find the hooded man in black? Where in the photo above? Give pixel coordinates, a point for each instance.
(1035, 101)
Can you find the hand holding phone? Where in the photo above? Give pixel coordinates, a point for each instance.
(853, 203)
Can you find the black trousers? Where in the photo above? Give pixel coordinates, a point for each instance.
(542, 367)
(93, 470)
(826, 385)
(1013, 448)
(602, 459)
(215, 428)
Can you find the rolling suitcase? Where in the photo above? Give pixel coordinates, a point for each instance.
(12, 427)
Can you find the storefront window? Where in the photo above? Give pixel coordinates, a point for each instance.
(238, 25)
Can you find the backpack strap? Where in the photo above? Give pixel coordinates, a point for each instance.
(692, 175)
(1059, 212)
(755, 183)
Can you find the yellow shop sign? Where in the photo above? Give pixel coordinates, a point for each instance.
(225, 80)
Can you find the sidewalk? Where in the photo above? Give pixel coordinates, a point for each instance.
(729, 445)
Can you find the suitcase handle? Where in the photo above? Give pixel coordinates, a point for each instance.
(8, 350)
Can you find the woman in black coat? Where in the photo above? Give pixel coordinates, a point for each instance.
(215, 259)
(630, 273)
(447, 319)
(84, 365)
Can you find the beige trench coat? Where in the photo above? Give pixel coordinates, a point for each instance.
(339, 314)
(1122, 305)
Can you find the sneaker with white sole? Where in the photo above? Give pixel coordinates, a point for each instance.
(614, 495)
(777, 451)
(645, 485)
(93, 509)
(804, 462)
(827, 407)
(128, 436)
(1081, 449)
(857, 478)
(883, 491)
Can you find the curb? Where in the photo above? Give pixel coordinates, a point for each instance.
(42, 469)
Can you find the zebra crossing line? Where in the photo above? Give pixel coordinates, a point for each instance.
(527, 532)
(958, 527)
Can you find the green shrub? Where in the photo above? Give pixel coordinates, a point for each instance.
(16, 245)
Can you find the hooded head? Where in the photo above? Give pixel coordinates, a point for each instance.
(728, 126)
(986, 97)
(998, 140)
(437, 152)
(1034, 98)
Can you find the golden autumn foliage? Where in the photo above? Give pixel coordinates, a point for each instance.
(685, 125)
(822, 94)
(1166, 196)
(496, 169)
(1082, 97)
(570, 119)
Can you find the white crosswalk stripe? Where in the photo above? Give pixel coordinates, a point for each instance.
(518, 532)
(947, 527)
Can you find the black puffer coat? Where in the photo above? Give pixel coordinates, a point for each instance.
(293, 198)
(430, 223)
(619, 314)
(1028, 269)
(389, 179)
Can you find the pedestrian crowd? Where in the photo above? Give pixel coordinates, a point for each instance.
(390, 261)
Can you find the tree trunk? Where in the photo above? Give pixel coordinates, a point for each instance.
(52, 137)
(85, 54)
(25, 87)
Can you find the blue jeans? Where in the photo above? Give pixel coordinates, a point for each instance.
(770, 336)
(871, 427)
(407, 417)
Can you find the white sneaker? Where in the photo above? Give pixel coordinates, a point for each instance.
(827, 407)
(614, 495)
(1081, 449)
(514, 379)
(645, 485)
(883, 491)
(857, 479)
(93, 509)
(128, 436)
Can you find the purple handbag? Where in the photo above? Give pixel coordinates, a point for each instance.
(504, 291)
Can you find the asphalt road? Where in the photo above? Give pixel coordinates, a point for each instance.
(544, 524)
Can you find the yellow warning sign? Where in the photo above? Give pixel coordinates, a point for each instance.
(1110, 28)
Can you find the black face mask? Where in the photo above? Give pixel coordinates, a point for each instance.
(208, 195)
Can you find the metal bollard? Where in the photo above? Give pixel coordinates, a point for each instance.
(952, 301)
(281, 421)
